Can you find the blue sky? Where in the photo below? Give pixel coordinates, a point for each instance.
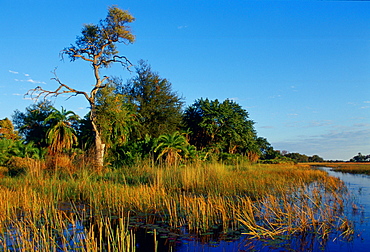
(300, 68)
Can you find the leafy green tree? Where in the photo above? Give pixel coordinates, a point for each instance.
(116, 120)
(61, 135)
(17, 148)
(221, 127)
(8, 148)
(191, 152)
(360, 158)
(159, 108)
(172, 147)
(133, 151)
(30, 124)
(266, 150)
(96, 46)
(297, 157)
(315, 158)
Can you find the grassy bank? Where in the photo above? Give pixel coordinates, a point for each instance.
(347, 167)
(257, 200)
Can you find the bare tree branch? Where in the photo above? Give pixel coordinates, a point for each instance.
(124, 61)
(78, 53)
(38, 92)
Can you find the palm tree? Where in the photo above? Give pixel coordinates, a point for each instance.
(171, 145)
(61, 136)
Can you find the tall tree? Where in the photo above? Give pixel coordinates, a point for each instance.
(96, 46)
(159, 108)
(222, 127)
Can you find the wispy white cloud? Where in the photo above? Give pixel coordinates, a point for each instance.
(31, 81)
(267, 127)
(182, 27)
(293, 88)
(275, 96)
(35, 82)
(360, 125)
(319, 123)
(309, 124)
(359, 105)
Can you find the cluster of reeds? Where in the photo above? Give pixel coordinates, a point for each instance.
(260, 200)
(56, 230)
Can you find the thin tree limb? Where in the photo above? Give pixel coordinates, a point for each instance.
(38, 92)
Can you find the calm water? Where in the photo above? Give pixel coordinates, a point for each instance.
(359, 187)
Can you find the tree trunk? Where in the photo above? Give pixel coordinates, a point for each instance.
(99, 149)
(99, 145)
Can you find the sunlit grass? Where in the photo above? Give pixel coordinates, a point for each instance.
(261, 200)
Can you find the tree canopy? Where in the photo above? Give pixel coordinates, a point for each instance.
(30, 123)
(116, 118)
(221, 126)
(159, 108)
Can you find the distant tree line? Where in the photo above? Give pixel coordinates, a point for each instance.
(302, 158)
(360, 158)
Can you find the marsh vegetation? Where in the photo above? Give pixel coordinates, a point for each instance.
(354, 168)
(259, 201)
